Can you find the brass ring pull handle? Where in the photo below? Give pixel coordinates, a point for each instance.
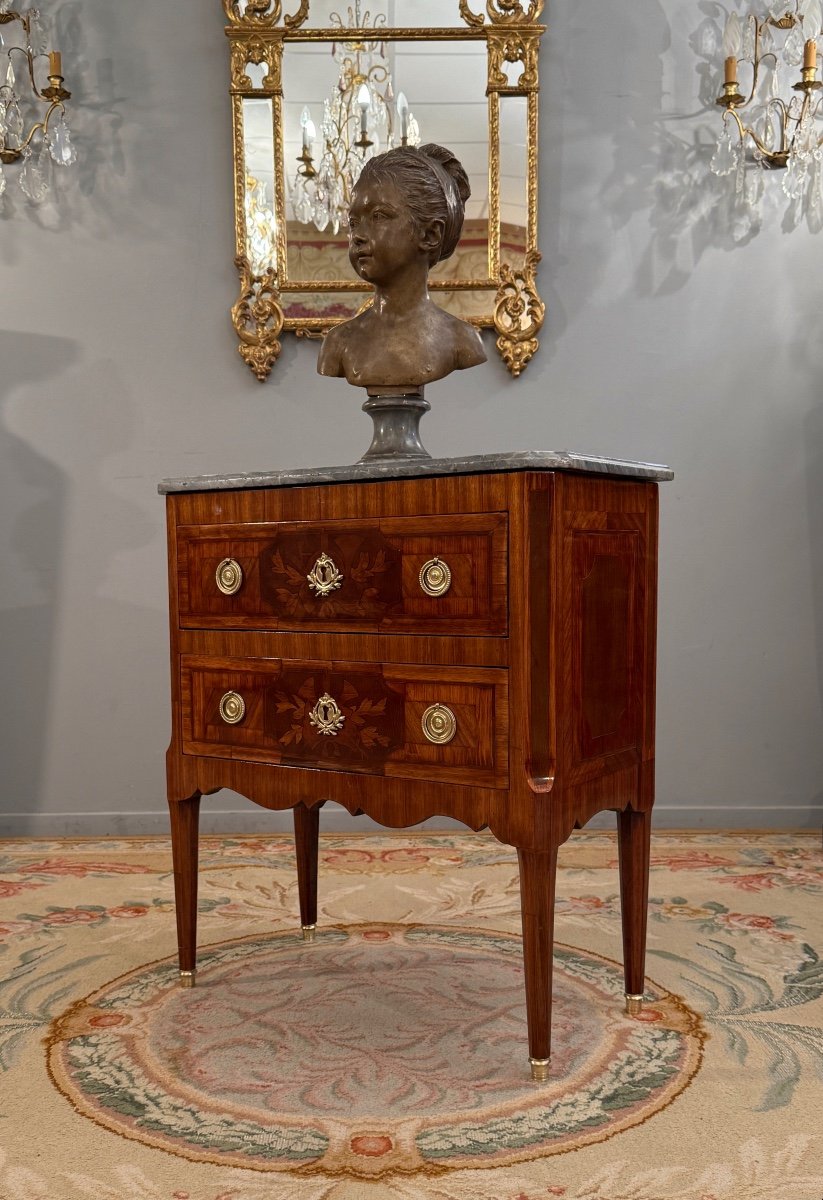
(326, 716)
(232, 708)
(439, 724)
(324, 576)
(435, 577)
(229, 576)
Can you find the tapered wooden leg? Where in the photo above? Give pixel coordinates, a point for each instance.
(306, 837)
(538, 871)
(185, 816)
(634, 843)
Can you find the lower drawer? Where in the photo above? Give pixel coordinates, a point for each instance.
(439, 723)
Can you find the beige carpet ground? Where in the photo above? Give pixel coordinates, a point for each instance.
(387, 1062)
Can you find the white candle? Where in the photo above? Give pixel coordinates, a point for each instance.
(364, 100)
(403, 114)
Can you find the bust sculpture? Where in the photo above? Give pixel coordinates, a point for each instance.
(405, 216)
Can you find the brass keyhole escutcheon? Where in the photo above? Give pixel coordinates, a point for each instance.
(326, 716)
(232, 708)
(229, 576)
(439, 724)
(324, 576)
(435, 577)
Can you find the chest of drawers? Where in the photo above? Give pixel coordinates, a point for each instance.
(471, 638)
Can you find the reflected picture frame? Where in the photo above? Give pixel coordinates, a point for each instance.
(504, 299)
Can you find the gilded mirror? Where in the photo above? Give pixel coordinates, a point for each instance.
(318, 89)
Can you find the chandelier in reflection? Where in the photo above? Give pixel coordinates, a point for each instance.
(261, 226)
(33, 128)
(764, 124)
(360, 119)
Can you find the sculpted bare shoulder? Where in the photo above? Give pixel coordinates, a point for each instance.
(466, 341)
(330, 359)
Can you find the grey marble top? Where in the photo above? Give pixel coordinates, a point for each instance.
(518, 460)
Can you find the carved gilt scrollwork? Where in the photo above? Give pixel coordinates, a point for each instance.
(258, 319)
(299, 17)
(503, 12)
(257, 12)
(256, 49)
(518, 314)
(506, 46)
(264, 14)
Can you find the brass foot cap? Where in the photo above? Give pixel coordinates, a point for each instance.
(634, 1004)
(187, 978)
(308, 932)
(540, 1069)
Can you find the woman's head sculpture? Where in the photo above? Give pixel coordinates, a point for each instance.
(406, 215)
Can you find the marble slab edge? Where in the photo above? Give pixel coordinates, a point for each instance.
(411, 468)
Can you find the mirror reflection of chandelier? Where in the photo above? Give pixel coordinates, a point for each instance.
(360, 119)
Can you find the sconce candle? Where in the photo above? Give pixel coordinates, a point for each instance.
(55, 63)
(810, 55)
(731, 70)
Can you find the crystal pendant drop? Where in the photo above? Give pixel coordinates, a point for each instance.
(768, 132)
(37, 34)
(732, 36)
(14, 124)
(812, 19)
(60, 144)
(754, 187)
(747, 50)
(779, 9)
(816, 195)
(724, 160)
(33, 178)
(2, 180)
(793, 46)
(10, 77)
(794, 180)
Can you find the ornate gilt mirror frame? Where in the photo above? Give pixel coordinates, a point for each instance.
(273, 297)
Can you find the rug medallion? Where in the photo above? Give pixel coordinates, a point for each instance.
(288, 1055)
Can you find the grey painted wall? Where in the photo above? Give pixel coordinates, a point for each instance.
(665, 340)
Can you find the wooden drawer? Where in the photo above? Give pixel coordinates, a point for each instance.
(367, 575)
(348, 716)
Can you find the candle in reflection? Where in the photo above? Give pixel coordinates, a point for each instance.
(403, 114)
(364, 100)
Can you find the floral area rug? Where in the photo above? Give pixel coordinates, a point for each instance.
(388, 1059)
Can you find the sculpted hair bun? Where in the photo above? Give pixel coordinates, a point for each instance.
(452, 166)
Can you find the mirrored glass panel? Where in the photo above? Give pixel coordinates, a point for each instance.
(325, 143)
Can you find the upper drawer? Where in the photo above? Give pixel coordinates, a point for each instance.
(362, 575)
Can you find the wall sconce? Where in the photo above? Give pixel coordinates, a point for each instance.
(23, 59)
(783, 133)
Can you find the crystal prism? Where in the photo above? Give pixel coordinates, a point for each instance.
(732, 36)
(747, 49)
(812, 19)
(60, 144)
(33, 178)
(754, 187)
(793, 46)
(10, 78)
(725, 158)
(794, 180)
(14, 124)
(38, 39)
